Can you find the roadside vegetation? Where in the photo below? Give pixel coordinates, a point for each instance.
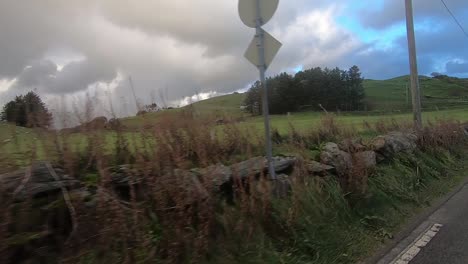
(161, 216)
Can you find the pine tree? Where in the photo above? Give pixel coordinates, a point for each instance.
(27, 111)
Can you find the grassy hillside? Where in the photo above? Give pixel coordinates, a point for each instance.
(392, 94)
(7, 131)
(217, 107)
(382, 96)
(221, 105)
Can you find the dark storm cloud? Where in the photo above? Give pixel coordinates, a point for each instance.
(180, 46)
(28, 29)
(38, 73)
(75, 76)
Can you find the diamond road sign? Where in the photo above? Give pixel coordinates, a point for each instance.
(261, 51)
(271, 47)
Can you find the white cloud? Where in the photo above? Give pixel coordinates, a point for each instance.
(5, 84)
(195, 98)
(180, 47)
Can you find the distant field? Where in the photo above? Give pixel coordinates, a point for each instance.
(393, 95)
(217, 107)
(443, 100)
(383, 97)
(311, 120)
(29, 145)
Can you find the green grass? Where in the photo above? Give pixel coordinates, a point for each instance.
(226, 105)
(392, 94)
(387, 96)
(324, 228)
(310, 120)
(218, 108)
(383, 96)
(27, 140)
(7, 130)
(319, 225)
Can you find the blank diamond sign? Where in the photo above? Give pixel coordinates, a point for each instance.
(271, 48)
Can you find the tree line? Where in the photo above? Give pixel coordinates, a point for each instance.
(27, 111)
(315, 88)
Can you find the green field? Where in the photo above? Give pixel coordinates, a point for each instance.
(311, 120)
(444, 99)
(318, 225)
(383, 97)
(392, 94)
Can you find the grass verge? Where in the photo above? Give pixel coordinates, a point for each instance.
(320, 223)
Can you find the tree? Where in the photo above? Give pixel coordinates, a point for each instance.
(152, 108)
(27, 111)
(333, 89)
(286, 94)
(356, 88)
(436, 74)
(253, 100)
(9, 112)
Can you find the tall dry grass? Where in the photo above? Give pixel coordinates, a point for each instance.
(169, 215)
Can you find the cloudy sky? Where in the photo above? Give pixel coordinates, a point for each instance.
(173, 49)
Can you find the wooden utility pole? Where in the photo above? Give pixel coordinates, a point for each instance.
(415, 92)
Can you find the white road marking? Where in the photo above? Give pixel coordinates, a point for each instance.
(414, 248)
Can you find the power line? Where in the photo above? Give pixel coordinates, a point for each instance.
(454, 18)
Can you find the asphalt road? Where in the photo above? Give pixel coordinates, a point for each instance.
(448, 246)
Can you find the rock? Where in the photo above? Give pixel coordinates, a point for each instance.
(43, 223)
(318, 168)
(253, 166)
(191, 184)
(218, 175)
(114, 124)
(39, 183)
(352, 145)
(465, 128)
(214, 179)
(282, 164)
(367, 158)
(84, 194)
(123, 177)
(97, 123)
(282, 186)
(333, 156)
(394, 142)
(257, 165)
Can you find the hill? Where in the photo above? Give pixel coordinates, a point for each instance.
(395, 94)
(381, 95)
(222, 105)
(8, 131)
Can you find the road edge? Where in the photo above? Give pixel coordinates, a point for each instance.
(413, 227)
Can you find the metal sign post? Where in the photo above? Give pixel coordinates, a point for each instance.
(262, 50)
